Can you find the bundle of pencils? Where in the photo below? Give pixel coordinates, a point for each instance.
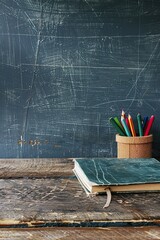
(125, 126)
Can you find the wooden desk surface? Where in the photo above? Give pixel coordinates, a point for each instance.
(111, 233)
(45, 193)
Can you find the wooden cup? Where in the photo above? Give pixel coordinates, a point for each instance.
(134, 147)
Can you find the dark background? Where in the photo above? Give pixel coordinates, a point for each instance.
(66, 66)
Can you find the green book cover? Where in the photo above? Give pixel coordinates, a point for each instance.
(96, 174)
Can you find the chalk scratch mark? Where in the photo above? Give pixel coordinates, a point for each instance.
(79, 66)
(71, 78)
(139, 73)
(91, 8)
(144, 67)
(33, 77)
(116, 101)
(157, 35)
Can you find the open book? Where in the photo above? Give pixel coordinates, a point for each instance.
(97, 175)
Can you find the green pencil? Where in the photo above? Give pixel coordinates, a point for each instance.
(117, 127)
(119, 124)
(139, 120)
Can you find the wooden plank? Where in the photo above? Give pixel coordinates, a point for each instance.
(62, 202)
(35, 167)
(45, 192)
(128, 233)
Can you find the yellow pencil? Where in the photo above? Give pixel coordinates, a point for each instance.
(131, 125)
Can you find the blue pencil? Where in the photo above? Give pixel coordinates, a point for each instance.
(145, 120)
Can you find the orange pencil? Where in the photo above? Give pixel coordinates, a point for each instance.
(130, 120)
(127, 122)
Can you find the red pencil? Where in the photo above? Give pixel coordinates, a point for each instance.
(149, 125)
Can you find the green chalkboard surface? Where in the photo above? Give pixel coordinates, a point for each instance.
(66, 67)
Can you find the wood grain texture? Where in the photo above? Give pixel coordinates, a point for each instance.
(35, 167)
(145, 233)
(50, 195)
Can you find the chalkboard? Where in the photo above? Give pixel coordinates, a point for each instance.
(66, 66)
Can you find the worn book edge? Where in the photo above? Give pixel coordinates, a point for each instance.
(91, 193)
(94, 188)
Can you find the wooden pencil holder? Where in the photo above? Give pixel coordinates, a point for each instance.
(134, 147)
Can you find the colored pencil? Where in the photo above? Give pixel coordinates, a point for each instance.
(117, 127)
(149, 125)
(119, 123)
(125, 126)
(145, 121)
(123, 114)
(139, 120)
(131, 124)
